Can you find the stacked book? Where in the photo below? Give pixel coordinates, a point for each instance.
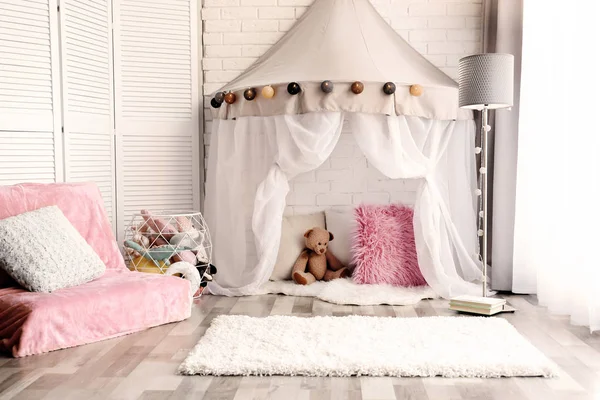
(478, 305)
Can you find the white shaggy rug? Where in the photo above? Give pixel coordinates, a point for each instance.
(360, 345)
(345, 291)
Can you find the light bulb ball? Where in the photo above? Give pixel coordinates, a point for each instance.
(481, 214)
(477, 150)
(478, 192)
(389, 88)
(357, 87)
(327, 86)
(220, 97)
(230, 98)
(487, 128)
(482, 170)
(294, 88)
(268, 92)
(250, 94)
(416, 90)
(480, 232)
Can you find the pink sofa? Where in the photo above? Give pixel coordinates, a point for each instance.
(118, 303)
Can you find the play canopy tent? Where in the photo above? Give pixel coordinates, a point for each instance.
(260, 142)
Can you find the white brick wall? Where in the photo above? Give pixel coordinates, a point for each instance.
(345, 180)
(237, 32)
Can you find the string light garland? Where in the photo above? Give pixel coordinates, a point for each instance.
(294, 88)
(480, 181)
(478, 193)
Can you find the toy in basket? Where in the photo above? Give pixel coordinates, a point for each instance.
(171, 243)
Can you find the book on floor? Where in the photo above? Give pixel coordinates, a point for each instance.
(478, 305)
(480, 302)
(476, 310)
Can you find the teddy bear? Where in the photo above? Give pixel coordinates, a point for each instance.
(315, 263)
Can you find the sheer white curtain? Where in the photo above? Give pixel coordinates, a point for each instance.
(411, 147)
(250, 162)
(558, 172)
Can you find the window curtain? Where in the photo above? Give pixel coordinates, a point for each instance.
(251, 160)
(415, 148)
(558, 172)
(503, 33)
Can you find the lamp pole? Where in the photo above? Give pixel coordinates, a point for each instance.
(484, 196)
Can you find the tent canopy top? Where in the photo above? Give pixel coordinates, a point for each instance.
(343, 41)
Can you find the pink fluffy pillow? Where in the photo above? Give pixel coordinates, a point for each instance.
(383, 248)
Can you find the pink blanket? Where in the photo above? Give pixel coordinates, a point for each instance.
(118, 303)
(115, 304)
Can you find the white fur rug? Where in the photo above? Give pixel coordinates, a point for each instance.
(345, 291)
(360, 345)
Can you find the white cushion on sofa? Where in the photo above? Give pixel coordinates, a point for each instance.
(43, 252)
(292, 242)
(341, 224)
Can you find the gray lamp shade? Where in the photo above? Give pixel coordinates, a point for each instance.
(486, 80)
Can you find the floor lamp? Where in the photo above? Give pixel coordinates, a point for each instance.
(485, 83)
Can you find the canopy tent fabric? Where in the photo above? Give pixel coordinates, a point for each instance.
(258, 146)
(252, 160)
(344, 41)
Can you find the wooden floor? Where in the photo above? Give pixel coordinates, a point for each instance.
(143, 365)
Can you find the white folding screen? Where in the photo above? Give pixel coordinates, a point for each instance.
(120, 79)
(87, 92)
(157, 121)
(30, 139)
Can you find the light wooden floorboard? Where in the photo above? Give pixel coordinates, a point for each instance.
(144, 365)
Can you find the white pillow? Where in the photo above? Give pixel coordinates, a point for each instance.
(292, 242)
(341, 224)
(43, 252)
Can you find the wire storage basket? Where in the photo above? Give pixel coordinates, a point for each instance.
(154, 241)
